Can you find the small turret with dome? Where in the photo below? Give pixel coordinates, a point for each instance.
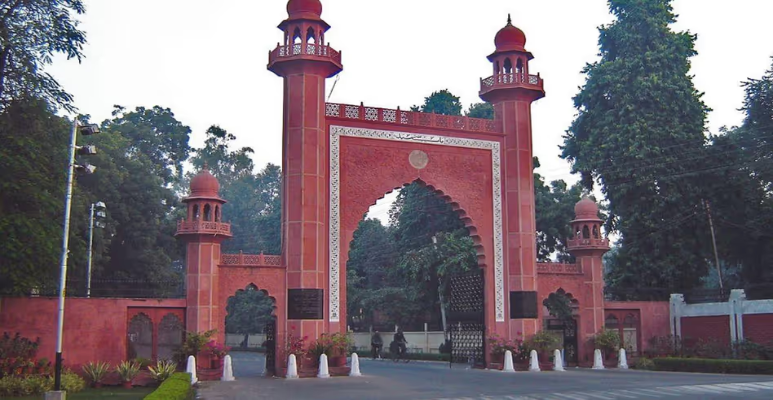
(586, 228)
(304, 41)
(511, 68)
(204, 208)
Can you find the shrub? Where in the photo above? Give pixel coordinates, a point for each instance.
(607, 340)
(664, 346)
(96, 371)
(193, 344)
(71, 382)
(127, 370)
(163, 370)
(542, 342)
(644, 363)
(177, 387)
(714, 366)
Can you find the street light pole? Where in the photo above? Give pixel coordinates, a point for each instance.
(91, 245)
(65, 250)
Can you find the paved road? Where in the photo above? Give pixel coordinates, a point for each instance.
(434, 381)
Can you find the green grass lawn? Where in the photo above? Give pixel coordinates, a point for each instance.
(137, 393)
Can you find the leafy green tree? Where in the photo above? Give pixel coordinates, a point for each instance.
(440, 102)
(554, 205)
(640, 133)
(33, 158)
(31, 33)
(254, 203)
(248, 311)
(481, 110)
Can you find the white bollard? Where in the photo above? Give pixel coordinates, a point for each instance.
(598, 362)
(622, 362)
(323, 370)
(355, 370)
(508, 362)
(533, 362)
(558, 361)
(228, 370)
(191, 369)
(292, 367)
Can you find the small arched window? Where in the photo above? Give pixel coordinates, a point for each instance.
(585, 232)
(496, 67)
(297, 36)
(217, 213)
(611, 322)
(508, 66)
(207, 213)
(595, 232)
(195, 213)
(519, 66)
(310, 37)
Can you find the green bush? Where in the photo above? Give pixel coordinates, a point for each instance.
(714, 366)
(644, 363)
(29, 386)
(177, 387)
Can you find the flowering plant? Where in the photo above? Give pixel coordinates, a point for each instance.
(295, 344)
(499, 345)
(216, 349)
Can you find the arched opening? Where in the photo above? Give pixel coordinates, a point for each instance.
(207, 213)
(519, 70)
(170, 336)
(195, 214)
(561, 311)
(310, 37)
(508, 66)
(497, 71)
(401, 262)
(250, 325)
(595, 231)
(217, 213)
(140, 337)
(297, 36)
(585, 232)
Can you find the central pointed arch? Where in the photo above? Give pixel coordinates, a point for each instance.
(365, 164)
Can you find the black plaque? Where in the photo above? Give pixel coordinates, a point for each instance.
(304, 303)
(523, 305)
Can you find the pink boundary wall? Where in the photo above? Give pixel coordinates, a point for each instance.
(94, 329)
(654, 316)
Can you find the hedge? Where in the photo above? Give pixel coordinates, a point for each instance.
(714, 365)
(177, 387)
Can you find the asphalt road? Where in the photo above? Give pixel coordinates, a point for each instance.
(430, 381)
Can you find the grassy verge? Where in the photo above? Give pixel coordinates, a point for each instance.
(137, 393)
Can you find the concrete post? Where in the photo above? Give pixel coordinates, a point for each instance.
(598, 361)
(508, 367)
(533, 361)
(323, 369)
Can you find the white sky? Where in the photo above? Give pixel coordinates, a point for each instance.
(207, 60)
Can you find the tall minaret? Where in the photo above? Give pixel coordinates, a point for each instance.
(512, 90)
(305, 60)
(203, 232)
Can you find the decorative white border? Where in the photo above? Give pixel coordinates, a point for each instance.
(335, 217)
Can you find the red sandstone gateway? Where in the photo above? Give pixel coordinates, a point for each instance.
(338, 159)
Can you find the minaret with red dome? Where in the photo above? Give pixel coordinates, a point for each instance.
(305, 59)
(203, 232)
(511, 90)
(588, 245)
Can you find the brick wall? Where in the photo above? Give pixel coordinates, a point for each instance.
(710, 327)
(758, 327)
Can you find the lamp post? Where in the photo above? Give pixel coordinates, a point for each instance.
(97, 211)
(71, 167)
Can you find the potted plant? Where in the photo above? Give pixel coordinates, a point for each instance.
(163, 370)
(96, 372)
(217, 352)
(296, 345)
(42, 365)
(341, 345)
(127, 371)
(544, 342)
(608, 341)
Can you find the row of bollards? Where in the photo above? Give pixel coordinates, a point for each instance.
(292, 367)
(228, 370)
(558, 362)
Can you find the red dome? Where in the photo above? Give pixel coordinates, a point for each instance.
(586, 209)
(311, 9)
(204, 184)
(510, 38)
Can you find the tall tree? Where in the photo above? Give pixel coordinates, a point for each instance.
(640, 133)
(480, 110)
(31, 33)
(33, 158)
(440, 102)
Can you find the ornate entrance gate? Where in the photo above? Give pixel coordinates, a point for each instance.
(466, 318)
(270, 330)
(568, 331)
